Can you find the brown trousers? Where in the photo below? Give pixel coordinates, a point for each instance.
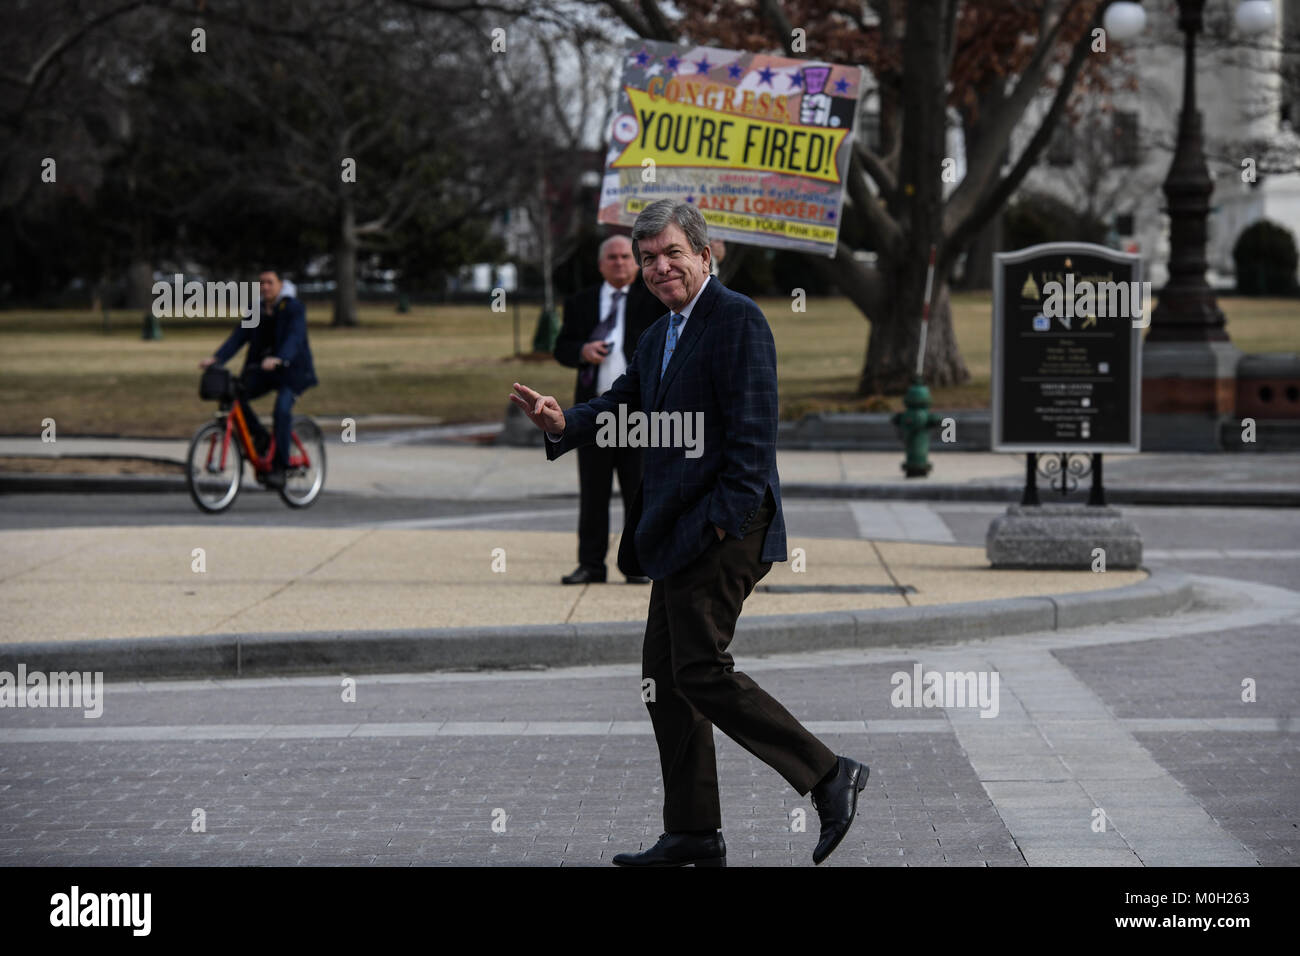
(692, 620)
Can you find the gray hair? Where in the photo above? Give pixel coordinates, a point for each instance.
(657, 216)
(600, 253)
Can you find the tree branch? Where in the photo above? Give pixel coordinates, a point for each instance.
(773, 11)
(960, 228)
(860, 282)
(982, 165)
(885, 232)
(884, 179)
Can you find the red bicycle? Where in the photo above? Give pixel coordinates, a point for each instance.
(215, 464)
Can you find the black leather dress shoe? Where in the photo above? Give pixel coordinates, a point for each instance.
(836, 802)
(275, 478)
(679, 849)
(584, 575)
(637, 579)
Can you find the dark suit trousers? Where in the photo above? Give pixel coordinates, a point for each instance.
(596, 467)
(256, 384)
(691, 622)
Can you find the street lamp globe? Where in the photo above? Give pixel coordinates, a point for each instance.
(1254, 17)
(1124, 20)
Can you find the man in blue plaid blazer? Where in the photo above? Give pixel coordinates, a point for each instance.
(705, 525)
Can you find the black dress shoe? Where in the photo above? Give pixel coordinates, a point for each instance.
(584, 575)
(836, 802)
(637, 579)
(679, 849)
(275, 478)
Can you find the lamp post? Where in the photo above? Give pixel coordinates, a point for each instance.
(1189, 363)
(1188, 310)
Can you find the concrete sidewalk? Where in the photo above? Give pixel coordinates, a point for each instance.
(95, 583)
(300, 599)
(151, 602)
(423, 465)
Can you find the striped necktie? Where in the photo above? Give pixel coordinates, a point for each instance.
(600, 333)
(671, 344)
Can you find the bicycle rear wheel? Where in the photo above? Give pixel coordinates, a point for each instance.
(305, 476)
(213, 469)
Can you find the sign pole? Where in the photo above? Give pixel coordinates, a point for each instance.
(915, 423)
(925, 315)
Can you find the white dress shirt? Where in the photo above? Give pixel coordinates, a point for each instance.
(684, 311)
(615, 364)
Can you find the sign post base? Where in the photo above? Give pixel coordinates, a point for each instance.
(1063, 537)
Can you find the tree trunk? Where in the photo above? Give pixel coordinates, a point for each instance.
(139, 284)
(731, 262)
(345, 266)
(890, 298)
(890, 364)
(544, 237)
(979, 257)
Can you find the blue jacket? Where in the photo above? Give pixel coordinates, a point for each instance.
(290, 345)
(724, 366)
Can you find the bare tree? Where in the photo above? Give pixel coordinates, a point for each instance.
(991, 61)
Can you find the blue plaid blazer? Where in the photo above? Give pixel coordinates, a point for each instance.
(724, 366)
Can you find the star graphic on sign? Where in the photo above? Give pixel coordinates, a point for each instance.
(642, 58)
(672, 63)
(765, 76)
(690, 199)
(795, 80)
(830, 213)
(734, 71)
(702, 65)
(841, 85)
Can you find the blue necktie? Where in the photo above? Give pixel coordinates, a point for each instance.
(671, 343)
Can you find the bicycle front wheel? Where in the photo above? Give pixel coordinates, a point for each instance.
(214, 468)
(305, 475)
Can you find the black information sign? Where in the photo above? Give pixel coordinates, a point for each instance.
(1067, 321)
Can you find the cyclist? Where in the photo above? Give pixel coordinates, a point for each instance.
(279, 359)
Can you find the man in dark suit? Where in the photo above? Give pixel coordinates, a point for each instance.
(279, 359)
(707, 526)
(599, 336)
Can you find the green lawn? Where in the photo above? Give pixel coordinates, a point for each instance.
(454, 363)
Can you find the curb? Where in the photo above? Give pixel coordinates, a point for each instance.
(1273, 496)
(17, 483)
(1268, 496)
(567, 645)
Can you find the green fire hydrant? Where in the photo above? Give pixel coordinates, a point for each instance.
(916, 423)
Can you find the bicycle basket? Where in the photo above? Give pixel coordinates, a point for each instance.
(216, 384)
